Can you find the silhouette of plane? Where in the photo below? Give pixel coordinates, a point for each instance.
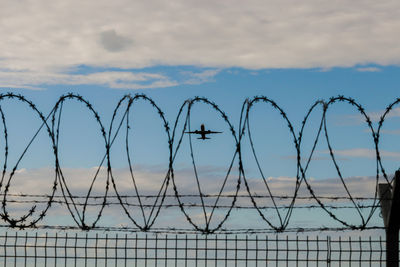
(203, 132)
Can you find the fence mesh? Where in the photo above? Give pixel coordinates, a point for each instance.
(73, 249)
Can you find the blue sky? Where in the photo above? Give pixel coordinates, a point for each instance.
(295, 90)
(293, 53)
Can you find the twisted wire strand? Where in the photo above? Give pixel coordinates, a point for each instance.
(190, 205)
(146, 196)
(175, 230)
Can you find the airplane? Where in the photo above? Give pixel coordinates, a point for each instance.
(203, 132)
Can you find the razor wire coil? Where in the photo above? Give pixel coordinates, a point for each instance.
(78, 210)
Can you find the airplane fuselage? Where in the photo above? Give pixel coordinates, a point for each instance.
(203, 133)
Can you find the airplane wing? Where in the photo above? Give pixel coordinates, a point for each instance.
(194, 132)
(212, 132)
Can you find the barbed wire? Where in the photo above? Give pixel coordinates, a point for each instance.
(192, 205)
(120, 124)
(332, 198)
(168, 230)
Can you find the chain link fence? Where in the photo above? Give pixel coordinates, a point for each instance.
(66, 249)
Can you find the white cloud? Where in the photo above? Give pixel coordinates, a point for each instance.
(375, 116)
(369, 69)
(394, 132)
(365, 153)
(52, 37)
(394, 113)
(112, 79)
(200, 77)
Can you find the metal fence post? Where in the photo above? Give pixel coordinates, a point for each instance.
(390, 200)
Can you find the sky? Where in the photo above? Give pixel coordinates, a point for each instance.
(294, 53)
